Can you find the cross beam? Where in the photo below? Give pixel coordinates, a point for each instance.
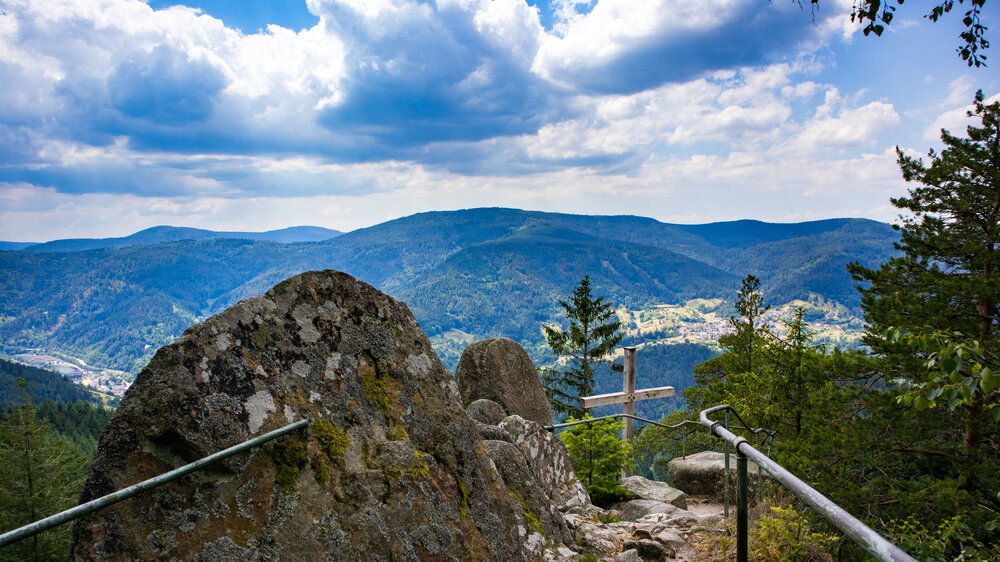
(627, 398)
(622, 398)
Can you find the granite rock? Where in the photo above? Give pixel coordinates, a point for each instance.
(646, 489)
(499, 369)
(389, 468)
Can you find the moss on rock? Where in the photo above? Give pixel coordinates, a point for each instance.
(378, 395)
(331, 438)
(289, 458)
(321, 471)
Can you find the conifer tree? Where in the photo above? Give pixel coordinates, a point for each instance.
(946, 284)
(724, 378)
(41, 473)
(591, 337)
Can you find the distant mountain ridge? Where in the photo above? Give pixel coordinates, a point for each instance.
(14, 246)
(465, 274)
(162, 234)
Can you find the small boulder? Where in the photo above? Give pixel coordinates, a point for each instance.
(636, 509)
(592, 536)
(646, 489)
(701, 474)
(670, 538)
(631, 555)
(486, 411)
(648, 549)
(499, 369)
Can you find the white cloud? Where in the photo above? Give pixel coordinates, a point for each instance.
(956, 119)
(623, 46)
(832, 129)
(386, 108)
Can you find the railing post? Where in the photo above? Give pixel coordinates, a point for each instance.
(628, 407)
(742, 515)
(726, 474)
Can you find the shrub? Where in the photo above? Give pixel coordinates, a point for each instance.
(952, 540)
(598, 457)
(786, 536)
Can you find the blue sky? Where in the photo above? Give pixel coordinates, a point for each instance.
(117, 115)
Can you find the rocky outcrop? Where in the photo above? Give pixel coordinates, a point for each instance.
(390, 467)
(499, 369)
(547, 457)
(701, 474)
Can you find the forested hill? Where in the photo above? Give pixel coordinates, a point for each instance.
(466, 275)
(42, 385)
(161, 234)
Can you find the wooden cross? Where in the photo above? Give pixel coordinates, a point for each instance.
(627, 398)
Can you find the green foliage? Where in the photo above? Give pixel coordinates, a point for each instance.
(740, 376)
(843, 418)
(875, 15)
(591, 337)
(598, 456)
(942, 296)
(787, 536)
(80, 422)
(589, 557)
(41, 473)
(961, 371)
(951, 540)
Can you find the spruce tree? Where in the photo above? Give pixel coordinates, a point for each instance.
(727, 377)
(591, 337)
(41, 474)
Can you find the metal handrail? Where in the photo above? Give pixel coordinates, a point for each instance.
(610, 416)
(862, 534)
(125, 493)
(754, 430)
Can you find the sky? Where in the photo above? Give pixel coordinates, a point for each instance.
(119, 115)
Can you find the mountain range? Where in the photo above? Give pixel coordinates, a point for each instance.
(465, 274)
(161, 234)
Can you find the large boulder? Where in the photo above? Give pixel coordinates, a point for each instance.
(389, 468)
(701, 474)
(499, 369)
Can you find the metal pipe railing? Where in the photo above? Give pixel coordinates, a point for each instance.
(862, 534)
(32, 529)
